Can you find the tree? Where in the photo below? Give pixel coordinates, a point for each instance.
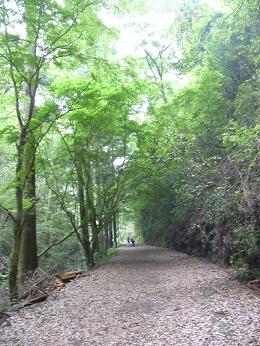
(48, 32)
(95, 137)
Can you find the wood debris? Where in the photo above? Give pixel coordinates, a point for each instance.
(38, 299)
(41, 288)
(68, 276)
(254, 285)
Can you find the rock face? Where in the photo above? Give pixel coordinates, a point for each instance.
(145, 296)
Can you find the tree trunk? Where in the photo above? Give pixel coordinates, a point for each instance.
(28, 261)
(115, 229)
(110, 238)
(84, 222)
(24, 254)
(18, 224)
(103, 240)
(106, 238)
(47, 235)
(95, 240)
(13, 271)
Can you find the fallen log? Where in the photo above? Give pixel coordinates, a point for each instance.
(68, 276)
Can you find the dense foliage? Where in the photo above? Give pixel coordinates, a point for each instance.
(199, 158)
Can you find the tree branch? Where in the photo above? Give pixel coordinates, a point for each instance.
(56, 243)
(8, 212)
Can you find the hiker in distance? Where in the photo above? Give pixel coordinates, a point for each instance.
(132, 241)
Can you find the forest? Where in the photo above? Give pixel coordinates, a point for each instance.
(165, 136)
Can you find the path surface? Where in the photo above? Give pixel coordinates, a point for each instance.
(143, 296)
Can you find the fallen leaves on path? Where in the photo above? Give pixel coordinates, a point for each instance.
(145, 296)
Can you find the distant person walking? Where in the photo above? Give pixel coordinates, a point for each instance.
(132, 241)
(128, 241)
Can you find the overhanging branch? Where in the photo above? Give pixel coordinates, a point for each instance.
(56, 243)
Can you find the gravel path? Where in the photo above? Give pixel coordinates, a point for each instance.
(144, 296)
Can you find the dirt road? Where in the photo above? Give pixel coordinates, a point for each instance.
(144, 296)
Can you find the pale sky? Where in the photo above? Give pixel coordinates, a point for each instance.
(129, 26)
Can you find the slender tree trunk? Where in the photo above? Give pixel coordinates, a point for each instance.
(47, 237)
(115, 229)
(106, 238)
(95, 240)
(110, 238)
(84, 222)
